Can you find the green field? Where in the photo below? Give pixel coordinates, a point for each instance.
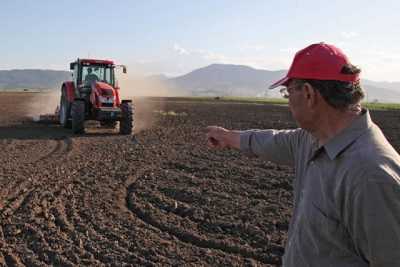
(382, 105)
(255, 100)
(275, 101)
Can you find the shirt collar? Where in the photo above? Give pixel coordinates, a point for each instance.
(348, 135)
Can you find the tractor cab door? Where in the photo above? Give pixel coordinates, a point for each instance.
(84, 74)
(76, 76)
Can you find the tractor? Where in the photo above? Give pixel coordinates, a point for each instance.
(93, 94)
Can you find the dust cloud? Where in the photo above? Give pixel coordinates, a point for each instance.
(42, 104)
(144, 92)
(136, 84)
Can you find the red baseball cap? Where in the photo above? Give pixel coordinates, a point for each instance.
(318, 62)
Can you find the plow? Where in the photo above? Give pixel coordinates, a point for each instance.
(93, 94)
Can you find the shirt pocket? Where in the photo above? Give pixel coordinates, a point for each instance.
(325, 233)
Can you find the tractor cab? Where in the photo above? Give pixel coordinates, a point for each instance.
(88, 71)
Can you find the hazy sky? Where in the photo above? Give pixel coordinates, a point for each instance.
(175, 37)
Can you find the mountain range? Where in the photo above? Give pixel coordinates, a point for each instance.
(238, 80)
(212, 80)
(226, 80)
(32, 79)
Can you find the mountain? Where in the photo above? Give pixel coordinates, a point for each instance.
(379, 94)
(32, 79)
(387, 85)
(213, 80)
(228, 80)
(239, 80)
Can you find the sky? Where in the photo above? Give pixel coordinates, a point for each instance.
(175, 37)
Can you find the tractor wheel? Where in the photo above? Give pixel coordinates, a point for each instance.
(126, 123)
(65, 111)
(78, 116)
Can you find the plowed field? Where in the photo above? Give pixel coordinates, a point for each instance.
(160, 199)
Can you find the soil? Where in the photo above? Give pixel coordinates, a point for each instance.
(157, 198)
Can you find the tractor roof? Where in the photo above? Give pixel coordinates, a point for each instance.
(96, 61)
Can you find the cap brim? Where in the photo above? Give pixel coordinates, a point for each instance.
(281, 82)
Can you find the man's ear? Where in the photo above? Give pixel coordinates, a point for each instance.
(310, 95)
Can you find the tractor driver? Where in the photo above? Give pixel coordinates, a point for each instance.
(90, 77)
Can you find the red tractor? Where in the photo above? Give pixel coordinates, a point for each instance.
(94, 95)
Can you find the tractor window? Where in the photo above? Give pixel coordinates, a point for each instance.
(107, 76)
(99, 73)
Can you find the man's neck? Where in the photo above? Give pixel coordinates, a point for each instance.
(333, 122)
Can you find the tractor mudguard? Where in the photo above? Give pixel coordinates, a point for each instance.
(70, 90)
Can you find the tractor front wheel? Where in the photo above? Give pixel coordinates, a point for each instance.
(78, 116)
(126, 123)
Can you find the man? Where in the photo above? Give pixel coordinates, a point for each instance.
(347, 175)
(90, 77)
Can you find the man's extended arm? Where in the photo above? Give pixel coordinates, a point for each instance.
(218, 137)
(279, 146)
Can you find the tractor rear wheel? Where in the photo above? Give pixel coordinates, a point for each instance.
(65, 111)
(78, 116)
(126, 124)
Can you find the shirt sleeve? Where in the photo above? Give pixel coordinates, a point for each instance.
(375, 221)
(278, 146)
